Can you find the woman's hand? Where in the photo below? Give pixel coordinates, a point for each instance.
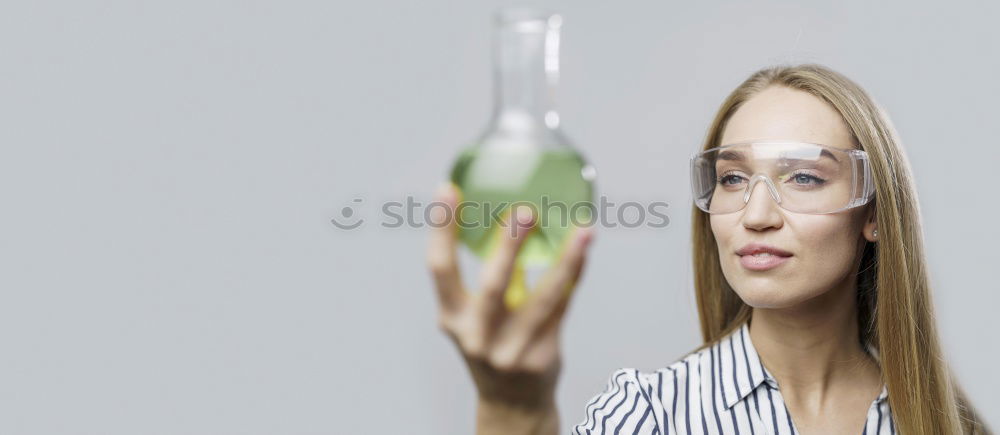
(512, 355)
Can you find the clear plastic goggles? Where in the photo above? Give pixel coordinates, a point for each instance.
(800, 177)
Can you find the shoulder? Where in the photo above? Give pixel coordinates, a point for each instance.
(643, 401)
(625, 406)
(633, 400)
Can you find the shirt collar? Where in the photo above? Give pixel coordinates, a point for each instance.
(747, 371)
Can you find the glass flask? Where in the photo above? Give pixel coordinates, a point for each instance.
(522, 156)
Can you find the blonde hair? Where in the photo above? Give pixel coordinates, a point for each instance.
(895, 313)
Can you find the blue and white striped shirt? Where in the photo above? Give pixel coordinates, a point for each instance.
(722, 389)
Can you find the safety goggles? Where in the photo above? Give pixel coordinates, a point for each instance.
(800, 177)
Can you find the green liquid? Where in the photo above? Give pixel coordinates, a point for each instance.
(492, 179)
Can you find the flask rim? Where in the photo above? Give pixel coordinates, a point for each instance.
(527, 19)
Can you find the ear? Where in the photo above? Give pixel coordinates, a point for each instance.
(871, 224)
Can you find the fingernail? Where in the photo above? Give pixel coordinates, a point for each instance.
(437, 216)
(444, 190)
(524, 215)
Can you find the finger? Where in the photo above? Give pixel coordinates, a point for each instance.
(543, 310)
(551, 297)
(498, 270)
(442, 259)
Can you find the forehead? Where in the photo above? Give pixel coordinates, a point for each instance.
(779, 112)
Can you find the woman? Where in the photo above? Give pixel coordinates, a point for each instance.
(802, 197)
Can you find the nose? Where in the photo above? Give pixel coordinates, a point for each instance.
(762, 209)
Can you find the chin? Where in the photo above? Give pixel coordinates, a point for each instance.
(770, 292)
(777, 288)
(770, 301)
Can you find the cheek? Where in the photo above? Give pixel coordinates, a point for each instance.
(827, 243)
(827, 252)
(723, 226)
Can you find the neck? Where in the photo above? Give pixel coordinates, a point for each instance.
(526, 59)
(811, 347)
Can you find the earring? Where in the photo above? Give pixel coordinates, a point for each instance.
(874, 233)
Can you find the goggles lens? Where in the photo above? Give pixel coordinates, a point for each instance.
(800, 177)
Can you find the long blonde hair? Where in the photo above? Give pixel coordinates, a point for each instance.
(895, 313)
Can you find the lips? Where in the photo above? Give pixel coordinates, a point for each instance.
(758, 248)
(760, 257)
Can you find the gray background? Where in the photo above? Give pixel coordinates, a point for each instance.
(169, 171)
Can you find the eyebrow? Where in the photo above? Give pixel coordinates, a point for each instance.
(738, 156)
(731, 155)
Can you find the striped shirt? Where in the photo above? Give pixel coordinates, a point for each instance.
(722, 389)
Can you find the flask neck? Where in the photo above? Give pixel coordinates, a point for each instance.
(526, 70)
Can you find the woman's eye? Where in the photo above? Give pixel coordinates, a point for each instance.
(807, 179)
(730, 179)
